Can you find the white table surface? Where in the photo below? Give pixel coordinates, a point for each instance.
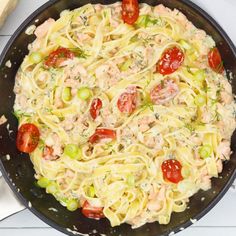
(221, 220)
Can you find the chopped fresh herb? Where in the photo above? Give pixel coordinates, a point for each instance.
(189, 70)
(148, 105)
(218, 116)
(19, 114)
(147, 21)
(162, 84)
(41, 144)
(190, 127)
(79, 53)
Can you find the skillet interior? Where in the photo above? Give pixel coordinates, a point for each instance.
(18, 171)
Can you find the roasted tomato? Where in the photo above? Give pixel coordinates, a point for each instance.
(215, 61)
(58, 56)
(95, 108)
(171, 60)
(171, 170)
(27, 138)
(92, 212)
(164, 92)
(130, 11)
(127, 101)
(102, 134)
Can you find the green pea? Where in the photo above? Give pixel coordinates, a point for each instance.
(84, 93)
(72, 205)
(73, 151)
(205, 151)
(43, 182)
(36, 57)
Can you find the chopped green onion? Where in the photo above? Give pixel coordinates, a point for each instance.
(36, 57)
(52, 188)
(130, 180)
(66, 94)
(43, 182)
(199, 75)
(72, 205)
(184, 44)
(200, 100)
(91, 191)
(145, 21)
(126, 65)
(84, 93)
(205, 151)
(141, 21)
(73, 151)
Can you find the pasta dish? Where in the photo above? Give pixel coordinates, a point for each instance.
(125, 110)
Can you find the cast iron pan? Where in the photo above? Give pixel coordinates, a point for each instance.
(19, 173)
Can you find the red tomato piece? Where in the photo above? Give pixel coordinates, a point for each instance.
(164, 92)
(92, 212)
(171, 170)
(58, 56)
(130, 11)
(215, 61)
(171, 60)
(102, 134)
(95, 108)
(27, 138)
(127, 101)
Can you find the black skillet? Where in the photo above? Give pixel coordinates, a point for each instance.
(19, 173)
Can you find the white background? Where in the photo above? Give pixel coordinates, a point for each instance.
(220, 221)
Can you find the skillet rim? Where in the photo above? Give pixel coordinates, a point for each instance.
(48, 221)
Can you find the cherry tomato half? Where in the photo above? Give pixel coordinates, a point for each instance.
(130, 11)
(127, 101)
(171, 60)
(95, 108)
(27, 138)
(92, 212)
(164, 92)
(171, 170)
(102, 134)
(215, 61)
(58, 56)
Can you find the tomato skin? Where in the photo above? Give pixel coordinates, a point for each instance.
(164, 92)
(170, 61)
(95, 108)
(127, 101)
(102, 134)
(92, 212)
(171, 170)
(27, 138)
(130, 11)
(58, 56)
(215, 61)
